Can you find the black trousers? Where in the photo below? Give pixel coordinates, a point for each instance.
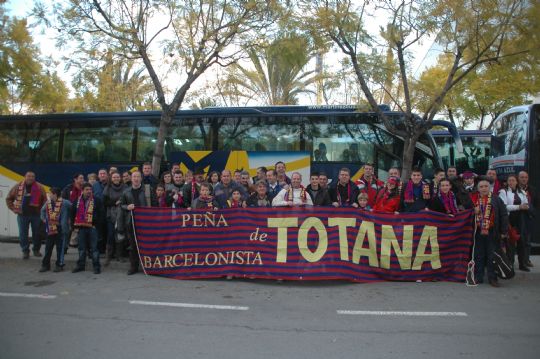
(133, 251)
(484, 249)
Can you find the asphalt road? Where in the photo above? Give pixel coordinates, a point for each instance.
(112, 315)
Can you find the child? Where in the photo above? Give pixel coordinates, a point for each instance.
(363, 199)
(236, 200)
(205, 200)
(55, 214)
(92, 178)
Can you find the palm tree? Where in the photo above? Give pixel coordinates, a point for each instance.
(276, 73)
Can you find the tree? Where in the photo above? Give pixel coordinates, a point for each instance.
(471, 33)
(24, 85)
(275, 73)
(187, 36)
(112, 83)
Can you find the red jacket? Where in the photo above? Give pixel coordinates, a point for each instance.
(388, 205)
(371, 188)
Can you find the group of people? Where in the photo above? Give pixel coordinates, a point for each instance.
(98, 211)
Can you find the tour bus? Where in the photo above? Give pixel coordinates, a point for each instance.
(515, 146)
(306, 138)
(476, 150)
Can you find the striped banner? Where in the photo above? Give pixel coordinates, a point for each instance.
(316, 243)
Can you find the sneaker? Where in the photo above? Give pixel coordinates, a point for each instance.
(524, 269)
(37, 253)
(77, 270)
(529, 264)
(58, 269)
(494, 283)
(26, 255)
(44, 269)
(97, 270)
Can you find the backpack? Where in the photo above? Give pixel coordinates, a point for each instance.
(503, 267)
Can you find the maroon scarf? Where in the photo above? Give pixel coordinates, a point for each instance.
(85, 212)
(449, 202)
(409, 191)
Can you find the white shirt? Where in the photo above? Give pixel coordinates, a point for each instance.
(507, 197)
(279, 199)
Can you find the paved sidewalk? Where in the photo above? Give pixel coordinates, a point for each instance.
(11, 252)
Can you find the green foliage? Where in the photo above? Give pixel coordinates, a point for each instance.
(25, 84)
(275, 74)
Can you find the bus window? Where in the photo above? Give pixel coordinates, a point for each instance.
(29, 142)
(99, 141)
(342, 139)
(146, 142)
(260, 134)
(189, 134)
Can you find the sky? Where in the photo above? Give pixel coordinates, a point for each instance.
(425, 53)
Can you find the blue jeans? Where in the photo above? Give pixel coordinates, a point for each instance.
(52, 241)
(88, 235)
(24, 222)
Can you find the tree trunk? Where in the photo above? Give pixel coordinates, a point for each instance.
(408, 156)
(164, 123)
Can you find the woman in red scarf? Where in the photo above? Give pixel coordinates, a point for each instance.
(388, 198)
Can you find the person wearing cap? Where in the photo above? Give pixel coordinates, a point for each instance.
(55, 214)
(468, 181)
(191, 189)
(369, 184)
(388, 199)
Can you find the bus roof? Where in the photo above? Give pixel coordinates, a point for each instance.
(257, 110)
(462, 133)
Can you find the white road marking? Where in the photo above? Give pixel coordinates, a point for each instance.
(189, 305)
(400, 313)
(23, 295)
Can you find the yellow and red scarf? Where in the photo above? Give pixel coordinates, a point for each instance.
(53, 216)
(485, 217)
(289, 195)
(85, 212)
(35, 195)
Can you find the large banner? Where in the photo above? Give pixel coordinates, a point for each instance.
(303, 244)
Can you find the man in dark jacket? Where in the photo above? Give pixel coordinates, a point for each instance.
(86, 216)
(415, 194)
(111, 201)
(319, 196)
(131, 198)
(224, 189)
(491, 224)
(344, 193)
